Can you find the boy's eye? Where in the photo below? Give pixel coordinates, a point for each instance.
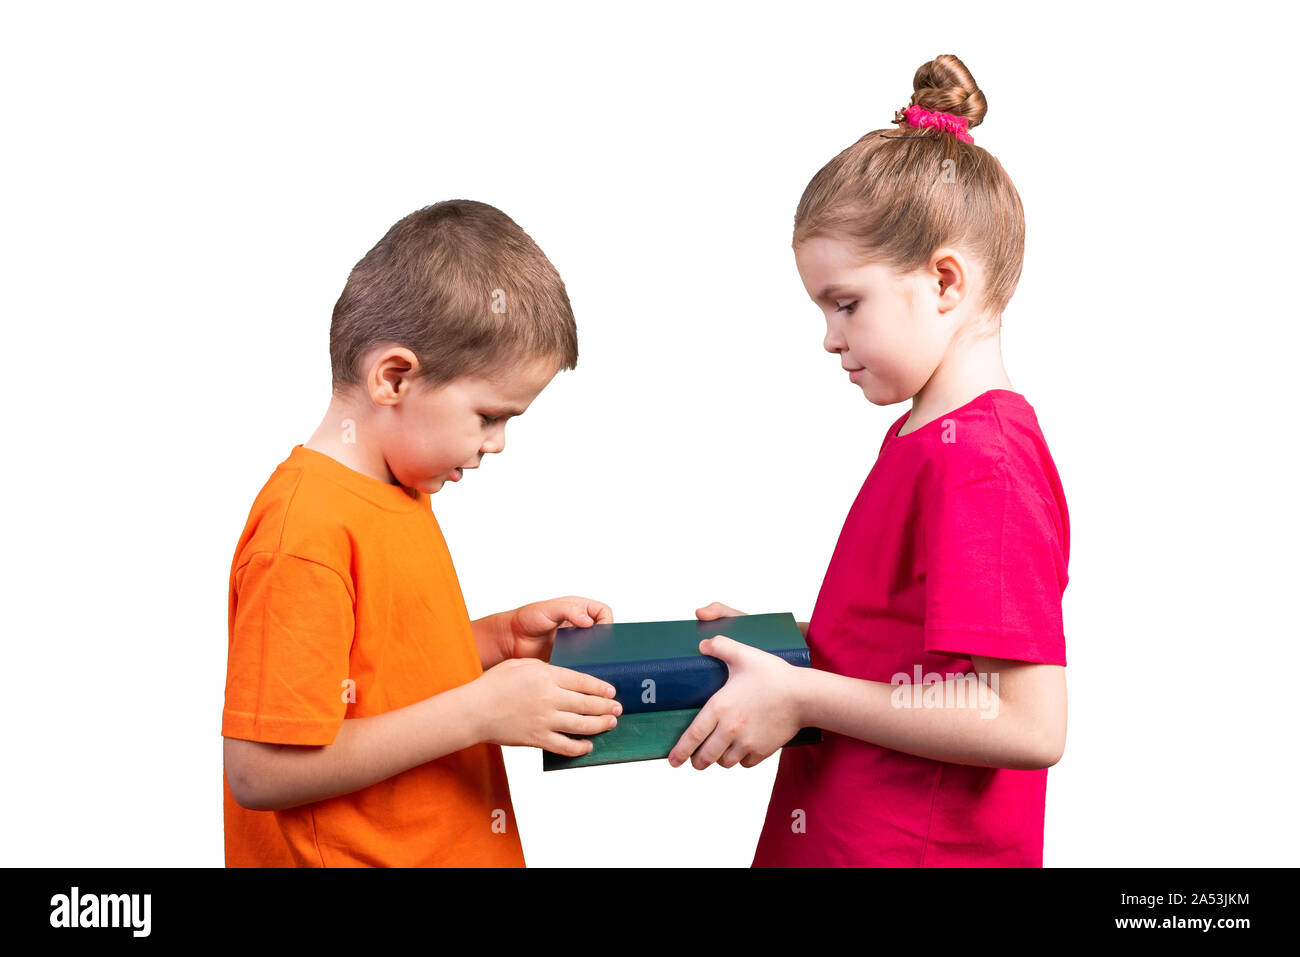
(849, 308)
(486, 419)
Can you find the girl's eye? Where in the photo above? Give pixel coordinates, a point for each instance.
(849, 308)
(486, 420)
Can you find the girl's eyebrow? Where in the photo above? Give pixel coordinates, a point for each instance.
(831, 290)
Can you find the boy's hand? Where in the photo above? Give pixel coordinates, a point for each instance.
(528, 702)
(530, 629)
(748, 718)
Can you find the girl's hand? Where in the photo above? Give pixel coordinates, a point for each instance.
(750, 717)
(530, 629)
(716, 610)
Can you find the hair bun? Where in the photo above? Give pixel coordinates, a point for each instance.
(946, 86)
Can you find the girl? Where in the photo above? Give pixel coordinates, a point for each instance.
(938, 655)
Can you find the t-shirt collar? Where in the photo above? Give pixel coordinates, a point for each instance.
(384, 494)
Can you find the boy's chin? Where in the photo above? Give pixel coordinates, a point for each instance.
(434, 483)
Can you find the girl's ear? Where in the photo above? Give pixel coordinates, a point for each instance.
(952, 272)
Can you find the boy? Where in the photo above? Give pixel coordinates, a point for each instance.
(364, 711)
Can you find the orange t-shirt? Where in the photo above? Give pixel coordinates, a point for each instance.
(344, 603)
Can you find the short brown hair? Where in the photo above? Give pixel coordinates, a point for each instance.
(460, 285)
(890, 196)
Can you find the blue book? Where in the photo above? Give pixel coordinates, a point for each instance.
(657, 665)
(662, 679)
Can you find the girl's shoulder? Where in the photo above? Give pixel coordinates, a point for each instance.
(995, 436)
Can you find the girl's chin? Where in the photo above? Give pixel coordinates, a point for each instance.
(880, 394)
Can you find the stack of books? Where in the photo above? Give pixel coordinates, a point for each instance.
(661, 678)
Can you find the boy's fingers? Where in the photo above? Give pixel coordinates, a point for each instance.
(577, 681)
(580, 612)
(577, 612)
(570, 747)
(599, 612)
(585, 724)
(576, 703)
(699, 729)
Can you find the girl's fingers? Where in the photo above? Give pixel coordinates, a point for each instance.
(716, 610)
(732, 756)
(711, 749)
(692, 737)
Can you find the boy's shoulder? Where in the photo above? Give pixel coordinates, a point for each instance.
(315, 508)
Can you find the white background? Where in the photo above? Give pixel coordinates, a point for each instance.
(186, 188)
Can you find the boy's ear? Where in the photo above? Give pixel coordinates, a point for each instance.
(391, 375)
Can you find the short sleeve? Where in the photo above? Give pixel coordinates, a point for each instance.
(995, 569)
(290, 638)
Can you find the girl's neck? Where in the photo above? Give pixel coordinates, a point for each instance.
(969, 369)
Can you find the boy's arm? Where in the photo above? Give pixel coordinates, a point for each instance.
(490, 638)
(529, 631)
(272, 777)
(519, 702)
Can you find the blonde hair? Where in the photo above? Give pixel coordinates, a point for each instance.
(899, 194)
(460, 285)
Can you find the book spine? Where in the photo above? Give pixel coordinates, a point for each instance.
(672, 684)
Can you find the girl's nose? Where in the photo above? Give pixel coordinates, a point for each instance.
(834, 341)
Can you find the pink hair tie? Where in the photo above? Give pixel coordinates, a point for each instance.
(917, 115)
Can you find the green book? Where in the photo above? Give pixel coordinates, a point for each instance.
(661, 678)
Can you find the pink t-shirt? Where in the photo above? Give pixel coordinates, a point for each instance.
(956, 545)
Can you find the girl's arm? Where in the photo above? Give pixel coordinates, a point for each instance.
(1016, 719)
